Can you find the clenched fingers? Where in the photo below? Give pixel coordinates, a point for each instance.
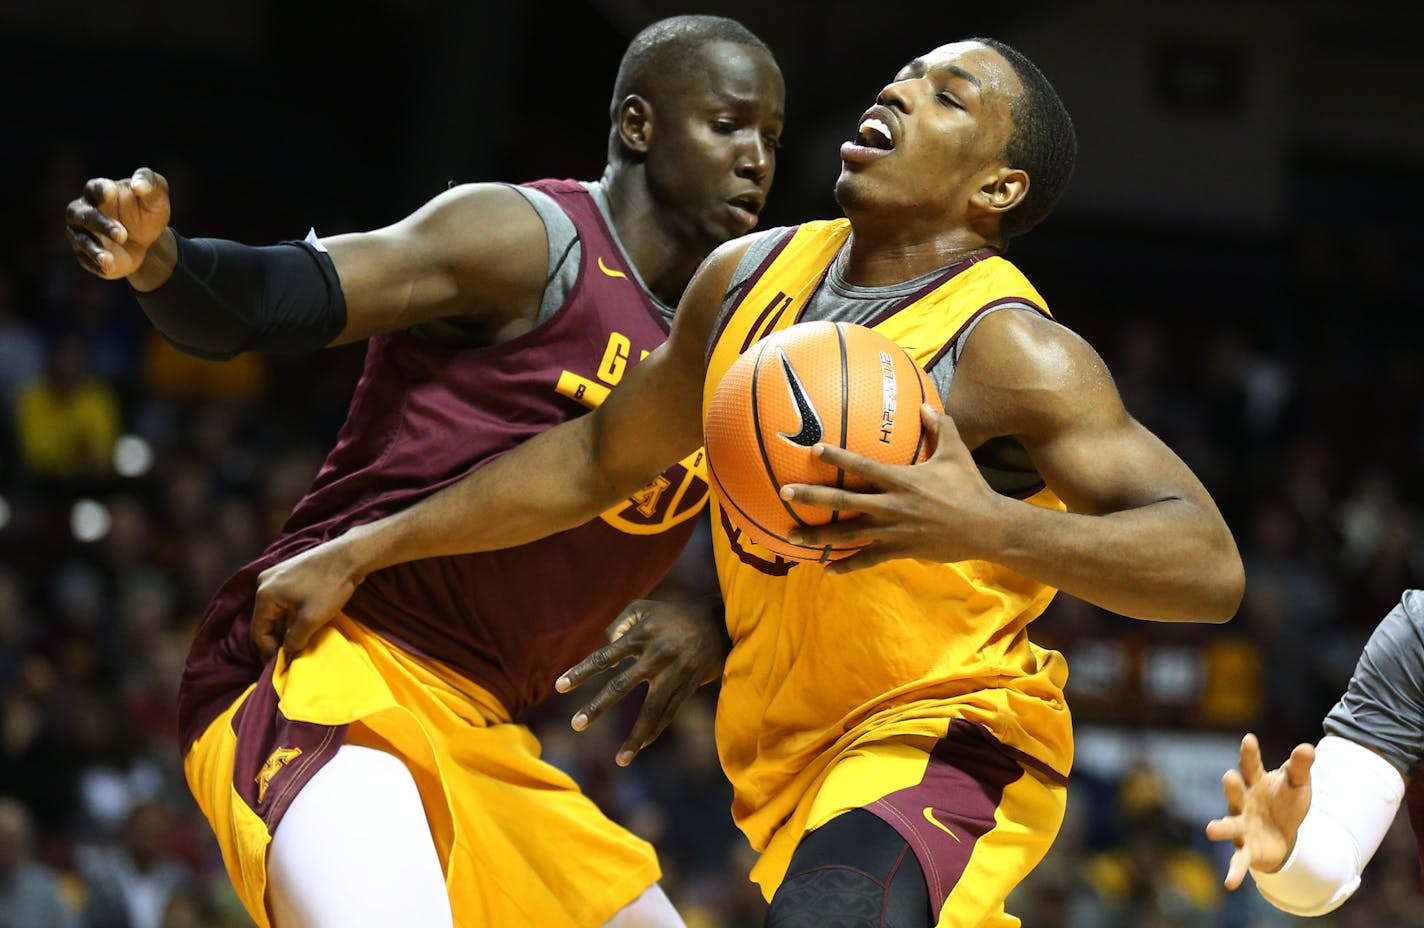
(269, 625)
(93, 211)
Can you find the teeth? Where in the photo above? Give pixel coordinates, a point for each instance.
(879, 128)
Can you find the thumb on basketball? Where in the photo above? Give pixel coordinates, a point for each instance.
(941, 434)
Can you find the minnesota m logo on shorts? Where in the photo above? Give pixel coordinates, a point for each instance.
(275, 762)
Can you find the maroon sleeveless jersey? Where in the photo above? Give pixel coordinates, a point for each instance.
(424, 415)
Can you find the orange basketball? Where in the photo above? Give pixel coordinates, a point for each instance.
(831, 383)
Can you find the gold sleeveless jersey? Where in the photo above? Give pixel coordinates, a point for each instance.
(821, 664)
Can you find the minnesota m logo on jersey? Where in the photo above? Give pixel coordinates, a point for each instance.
(676, 495)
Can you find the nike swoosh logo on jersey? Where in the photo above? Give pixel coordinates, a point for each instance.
(608, 270)
(930, 817)
(810, 432)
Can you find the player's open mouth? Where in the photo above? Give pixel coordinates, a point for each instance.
(874, 138)
(873, 133)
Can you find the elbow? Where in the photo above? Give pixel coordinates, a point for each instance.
(205, 353)
(1210, 594)
(1217, 576)
(1226, 588)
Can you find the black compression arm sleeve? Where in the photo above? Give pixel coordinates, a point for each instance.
(225, 298)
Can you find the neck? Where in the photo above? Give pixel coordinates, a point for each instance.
(665, 251)
(884, 253)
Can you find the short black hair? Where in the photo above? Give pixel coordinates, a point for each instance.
(1042, 143)
(666, 50)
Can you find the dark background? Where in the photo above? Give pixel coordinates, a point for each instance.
(1238, 242)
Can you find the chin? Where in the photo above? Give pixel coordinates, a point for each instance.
(850, 192)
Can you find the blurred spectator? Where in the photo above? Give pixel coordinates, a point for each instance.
(67, 420)
(29, 891)
(132, 883)
(116, 773)
(22, 353)
(182, 378)
(1152, 877)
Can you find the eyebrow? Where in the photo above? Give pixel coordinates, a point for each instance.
(918, 66)
(739, 102)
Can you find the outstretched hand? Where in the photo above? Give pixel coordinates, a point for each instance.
(1265, 809)
(940, 510)
(113, 222)
(298, 596)
(674, 648)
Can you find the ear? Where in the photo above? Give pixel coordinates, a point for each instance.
(633, 121)
(1002, 190)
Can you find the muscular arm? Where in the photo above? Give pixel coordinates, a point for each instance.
(559, 479)
(478, 252)
(1142, 536)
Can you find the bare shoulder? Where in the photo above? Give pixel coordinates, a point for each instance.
(729, 254)
(1022, 372)
(702, 300)
(477, 253)
(479, 213)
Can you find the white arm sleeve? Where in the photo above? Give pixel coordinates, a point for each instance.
(1354, 796)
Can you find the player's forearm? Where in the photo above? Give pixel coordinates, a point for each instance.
(547, 485)
(1167, 561)
(215, 299)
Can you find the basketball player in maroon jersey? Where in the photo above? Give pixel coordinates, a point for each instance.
(382, 777)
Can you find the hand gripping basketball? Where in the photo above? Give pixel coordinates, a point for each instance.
(813, 385)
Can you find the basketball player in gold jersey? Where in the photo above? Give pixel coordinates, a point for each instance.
(899, 748)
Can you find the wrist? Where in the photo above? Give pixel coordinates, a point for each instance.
(1006, 529)
(359, 552)
(159, 260)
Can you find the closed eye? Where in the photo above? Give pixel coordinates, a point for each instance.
(949, 100)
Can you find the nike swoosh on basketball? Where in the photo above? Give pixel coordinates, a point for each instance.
(810, 432)
(930, 817)
(608, 270)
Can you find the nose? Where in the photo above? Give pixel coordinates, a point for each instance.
(755, 160)
(900, 94)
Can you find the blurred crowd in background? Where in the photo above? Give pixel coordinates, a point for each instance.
(1285, 366)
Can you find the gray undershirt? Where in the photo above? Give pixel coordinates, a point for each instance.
(1383, 708)
(565, 251)
(837, 300)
